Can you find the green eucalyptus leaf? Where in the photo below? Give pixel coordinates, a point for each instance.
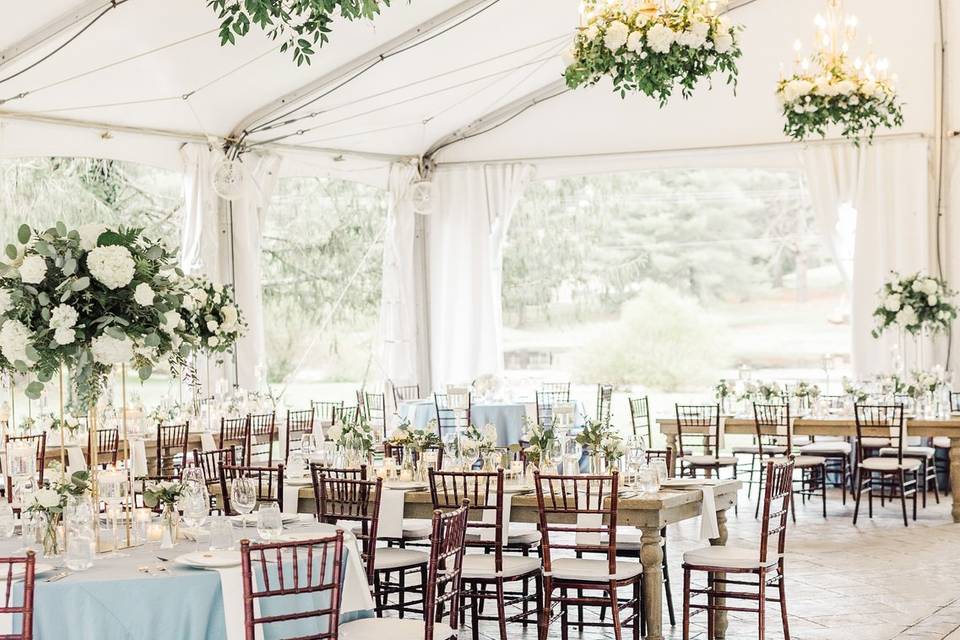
(80, 284)
(43, 298)
(34, 390)
(69, 266)
(32, 353)
(23, 234)
(61, 228)
(145, 371)
(11, 252)
(152, 340)
(115, 332)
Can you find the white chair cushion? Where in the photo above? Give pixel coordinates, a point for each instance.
(803, 462)
(628, 539)
(393, 628)
(729, 557)
(709, 461)
(413, 529)
(889, 464)
(941, 442)
(482, 566)
(827, 447)
(913, 452)
(755, 449)
(592, 570)
(875, 443)
(517, 536)
(393, 558)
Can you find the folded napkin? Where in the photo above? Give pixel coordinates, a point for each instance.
(709, 529)
(138, 455)
(391, 513)
(75, 459)
(231, 586)
(291, 498)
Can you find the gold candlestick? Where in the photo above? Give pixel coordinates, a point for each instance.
(63, 451)
(128, 502)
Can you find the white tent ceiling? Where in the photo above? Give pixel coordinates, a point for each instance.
(117, 89)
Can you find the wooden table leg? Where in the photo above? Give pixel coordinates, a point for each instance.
(955, 477)
(651, 557)
(720, 617)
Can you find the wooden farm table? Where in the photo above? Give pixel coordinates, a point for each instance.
(846, 426)
(649, 514)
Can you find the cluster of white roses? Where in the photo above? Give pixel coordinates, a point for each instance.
(799, 91)
(918, 302)
(212, 315)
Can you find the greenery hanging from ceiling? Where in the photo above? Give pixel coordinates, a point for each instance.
(301, 25)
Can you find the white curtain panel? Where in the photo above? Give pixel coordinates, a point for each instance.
(888, 184)
(951, 231)
(474, 204)
(200, 228)
(398, 301)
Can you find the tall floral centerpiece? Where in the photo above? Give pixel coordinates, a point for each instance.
(916, 305)
(211, 315)
(48, 504)
(652, 47)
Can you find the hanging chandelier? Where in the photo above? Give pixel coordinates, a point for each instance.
(652, 47)
(830, 86)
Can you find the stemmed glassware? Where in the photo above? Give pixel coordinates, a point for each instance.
(243, 497)
(307, 445)
(196, 507)
(269, 522)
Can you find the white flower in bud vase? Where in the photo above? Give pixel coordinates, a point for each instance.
(213, 341)
(144, 294)
(230, 318)
(89, 234)
(892, 303)
(33, 269)
(212, 325)
(14, 336)
(63, 317)
(334, 432)
(47, 498)
(112, 266)
(65, 335)
(6, 301)
(109, 350)
(616, 35)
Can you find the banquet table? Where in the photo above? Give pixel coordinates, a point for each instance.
(846, 426)
(648, 513)
(138, 595)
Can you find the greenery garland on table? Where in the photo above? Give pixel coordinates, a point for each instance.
(915, 303)
(88, 299)
(302, 25)
(642, 48)
(211, 315)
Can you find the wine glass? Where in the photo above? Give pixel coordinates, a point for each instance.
(307, 445)
(243, 497)
(196, 507)
(269, 521)
(192, 478)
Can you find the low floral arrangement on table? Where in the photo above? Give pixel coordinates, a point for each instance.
(49, 503)
(644, 47)
(923, 383)
(856, 392)
(69, 426)
(88, 299)
(891, 384)
(915, 303)
(602, 441)
(418, 440)
(769, 391)
(164, 493)
(211, 315)
(357, 436)
(725, 389)
(540, 442)
(806, 391)
(478, 442)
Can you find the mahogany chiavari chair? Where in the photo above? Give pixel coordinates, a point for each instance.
(774, 436)
(591, 503)
(347, 415)
(375, 409)
(298, 423)
(484, 491)
(108, 446)
(562, 388)
(171, 448)
(269, 481)
(441, 589)
(640, 417)
(235, 432)
(698, 429)
(448, 420)
(894, 472)
(406, 393)
(18, 600)
(298, 585)
(396, 452)
(356, 501)
(325, 412)
(39, 443)
(545, 402)
(263, 431)
(604, 402)
(318, 470)
(209, 462)
(765, 562)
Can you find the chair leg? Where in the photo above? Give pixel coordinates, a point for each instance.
(823, 488)
(615, 612)
(711, 603)
(666, 587)
(636, 609)
(903, 496)
(936, 480)
(525, 605)
(686, 605)
(564, 616)
(501, 612)
(756, 513)
(546, 612)
(762, 605)
(923, 472)
(474, 612)
(858, 486)
(843, 479)
(783, 605)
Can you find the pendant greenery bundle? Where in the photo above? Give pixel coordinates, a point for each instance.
(301, 25)
(211, 315)
(653, 50)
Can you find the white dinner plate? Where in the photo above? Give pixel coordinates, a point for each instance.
(298, 482)
(209, 559)
(405, 485)
(512, 487)
(251, 519)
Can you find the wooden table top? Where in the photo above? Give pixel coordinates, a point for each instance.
(829, 425)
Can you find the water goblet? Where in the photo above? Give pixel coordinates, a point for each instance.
(243, 497)
(269, 522)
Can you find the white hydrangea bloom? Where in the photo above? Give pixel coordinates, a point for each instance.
(109, 350)
(144, 294)
(112, 266)
(63, 317)
(14, 336)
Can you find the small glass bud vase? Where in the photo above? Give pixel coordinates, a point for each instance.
(169, 524)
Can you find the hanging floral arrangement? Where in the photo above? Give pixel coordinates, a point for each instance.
(915, 303)
(830, 88)
(653, 48)
(211, 316)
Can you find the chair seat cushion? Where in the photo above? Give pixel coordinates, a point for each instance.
(413, 529)
(755, 449)
(592, 570)
(628, 539)
(482, 566)
(941, 442)
(393, 558)
(729, 558)
(517, 536)
(393, 628)
(875, 443)
(827, 448)
(709, 461)
(803, 462)
(889, 464)
(913, 452)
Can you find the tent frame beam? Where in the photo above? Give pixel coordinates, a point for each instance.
(51, 29)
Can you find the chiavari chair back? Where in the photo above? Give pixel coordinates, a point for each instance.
(268, 480)
(209, 462)
(375, 409)
(355, 501)
(484, 491)
(318, 470)
(604, 402)
(567, 497)
(406, 393)
(347, 415)
(171, 448)
(448, 419)
(298, 423)
(773, 428)
(562, 388)
(545, 403)
(640, 417)
(263, 431)
(39, 443)
(18, 599)
(698, 429)
(235, 432)
(108, 446)
(776, 506)
(445, 568)
(880, 421)
(292, 573)
(325, 412)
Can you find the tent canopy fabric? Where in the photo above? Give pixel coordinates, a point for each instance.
(147, 76)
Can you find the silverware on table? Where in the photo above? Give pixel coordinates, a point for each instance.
(58, 576)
